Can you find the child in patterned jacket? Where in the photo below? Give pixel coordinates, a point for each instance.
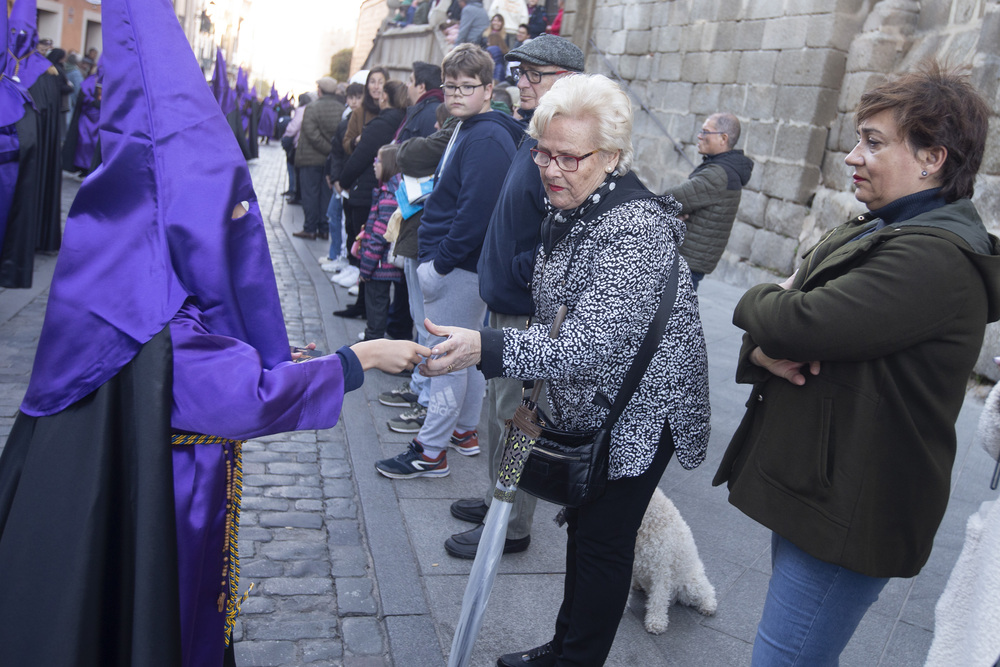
(377, 270)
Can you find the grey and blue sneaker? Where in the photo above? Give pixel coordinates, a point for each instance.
(413, 463)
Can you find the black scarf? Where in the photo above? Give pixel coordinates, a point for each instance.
(558, 223)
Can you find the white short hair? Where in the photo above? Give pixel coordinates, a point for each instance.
(592, 97)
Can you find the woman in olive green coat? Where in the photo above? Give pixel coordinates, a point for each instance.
(859, 363)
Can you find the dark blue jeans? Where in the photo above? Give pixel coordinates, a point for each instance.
(812, 609)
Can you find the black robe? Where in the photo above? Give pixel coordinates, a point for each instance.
(236, 123)
(17, 256)
(88, 547)
(253, 139)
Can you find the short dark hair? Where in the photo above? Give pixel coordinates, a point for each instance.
(934, 107)
(468, 60)
(442, 114)
(396, 93)
(356, 90)
(368, 102)
(503, 95)
(427, 74)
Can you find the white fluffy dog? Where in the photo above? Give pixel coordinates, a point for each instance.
(667, 566)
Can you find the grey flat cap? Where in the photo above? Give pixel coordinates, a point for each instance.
(548, 50)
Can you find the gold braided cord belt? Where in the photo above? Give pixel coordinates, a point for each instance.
(229, 598)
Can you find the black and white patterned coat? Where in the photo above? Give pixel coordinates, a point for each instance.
(611, 284)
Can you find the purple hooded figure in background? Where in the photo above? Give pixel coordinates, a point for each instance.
(268, 116)
(228, 102)
(31, 178)
(163, 324)
(13, 100)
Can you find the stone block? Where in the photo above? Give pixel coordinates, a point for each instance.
(666, 38)
(258, 568)
(773, 251)
(763, 9)
(354, 596)
(341, 508)
(723, 66)
(741, 239)
(695, 69)
(704, 10)
(348, 562)
(753, 207)
(835, 31)
(875, 52)
(705, 98)
(836, 174)
(732, 98)
(285, 626)
(337, 468)
(291, 520)
(637, 16)
(321, 652)
(268, 480)
(293, 551)
(811, 105)
(332, 450)
(746, 35)
(638, 42)
(785, 218)
(644, 69)
(265, 653)
(339, 488)
(628, 67)
(667, 67)
(255, 534)
(824, 6)
(787, 32)
(933, 15)
(609, 17)
(343, 533)
(290, 468)
(810, 67)
(757, 67)
(788, 181)
(292, 586)
(615, 44)
(697, 37)
(676, 96)
(293, 491)
(309, 505)
(254, 502)
(844, 134)
(758, 139)
(800, 143)
(363, 636)
(760, 100)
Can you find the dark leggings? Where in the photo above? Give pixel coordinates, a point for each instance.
(600, 550)
(355, 218)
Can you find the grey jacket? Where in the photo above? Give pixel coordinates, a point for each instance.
(710, 198)
(320, 119)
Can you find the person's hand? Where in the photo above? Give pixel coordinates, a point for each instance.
(462, 349)
(298, 355)
(329, 182)
(787, 282)
(391, 356)
(337, 188)
(793, 371)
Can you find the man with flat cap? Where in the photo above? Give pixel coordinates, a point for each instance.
(505, 267)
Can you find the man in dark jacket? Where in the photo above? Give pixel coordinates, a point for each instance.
(711, 195)
(505, 268)
(319, 125)
(425, 97)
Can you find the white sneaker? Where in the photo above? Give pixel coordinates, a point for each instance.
(334, 265)
(353, 290)
(361, 336)
(347, 277)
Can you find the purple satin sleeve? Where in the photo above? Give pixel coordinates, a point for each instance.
(221, 387)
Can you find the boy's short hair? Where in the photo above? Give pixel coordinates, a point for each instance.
(427, 74)
(356, 90)
(468, 60)
(442, 114)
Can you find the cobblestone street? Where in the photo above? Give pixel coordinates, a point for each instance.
(348, 568)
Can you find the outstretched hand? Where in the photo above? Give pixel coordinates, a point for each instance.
(461, 349)
(391, 356)
(793, 371)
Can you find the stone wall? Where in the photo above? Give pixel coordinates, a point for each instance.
(792, 71)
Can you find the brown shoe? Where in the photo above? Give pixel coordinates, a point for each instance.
(305, 235)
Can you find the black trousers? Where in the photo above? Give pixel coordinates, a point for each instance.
(600, 550)
(355, 218)
(376, 300)
(315, 198)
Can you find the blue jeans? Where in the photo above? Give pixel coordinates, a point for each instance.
(812, 609)
(335, 218)
(695, 279)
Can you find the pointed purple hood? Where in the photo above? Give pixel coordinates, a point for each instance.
(220, 85)
(22, 38)
(13, 95)
(241, 82)
(152, 226)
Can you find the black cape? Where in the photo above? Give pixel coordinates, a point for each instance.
(88, 547)
(236, 124)
(253, 140)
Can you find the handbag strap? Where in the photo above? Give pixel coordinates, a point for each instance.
(647, 348)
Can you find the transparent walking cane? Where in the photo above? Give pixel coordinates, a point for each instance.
(522, 432)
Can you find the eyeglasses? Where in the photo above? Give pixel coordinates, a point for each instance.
(564, 162)
(533, 76)
(465, 89)
(705, 133)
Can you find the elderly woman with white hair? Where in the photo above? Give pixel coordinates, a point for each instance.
(608, 248)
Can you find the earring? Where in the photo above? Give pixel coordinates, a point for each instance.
(607, 169)
(924, 173)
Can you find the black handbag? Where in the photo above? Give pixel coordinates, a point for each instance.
(570, 468)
